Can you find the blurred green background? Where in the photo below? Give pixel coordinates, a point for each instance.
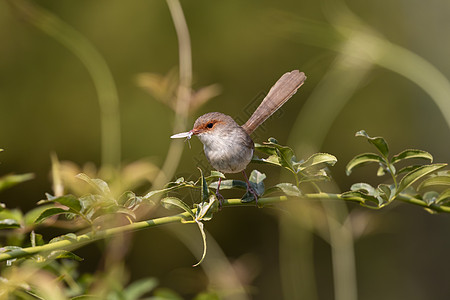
(374, 65)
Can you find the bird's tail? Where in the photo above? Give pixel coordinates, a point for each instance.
(282, 90)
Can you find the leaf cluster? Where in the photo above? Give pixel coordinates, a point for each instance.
(403, 179)
(92, 206)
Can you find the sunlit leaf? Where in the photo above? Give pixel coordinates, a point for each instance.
(202, 231)
(318, 160)
(385, 192)
(362, 198)
(63, 254)
(49, 213)
(364, 187)
(206, 209)
(378, 142)
(72, 202)
(430, 197)
(171, 202)
(69, 237)
(438, 180)
(31, 216)
(171, 186)
(10, 218)
(256, 180)
(444, 197)
(98, 184)
(9, 223)
(287, 188)
(411, 153)
(362, 159)
(229, 184)
(417, 174)
(284, 155)
(214, 175)
(408, 169)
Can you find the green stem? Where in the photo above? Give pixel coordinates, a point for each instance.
(411, 200)
(94, 236)
(175, 150)
(97, 69)
(91, 237)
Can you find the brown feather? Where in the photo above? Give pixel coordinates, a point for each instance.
(282, 90)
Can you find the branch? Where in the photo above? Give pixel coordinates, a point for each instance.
(81, 240)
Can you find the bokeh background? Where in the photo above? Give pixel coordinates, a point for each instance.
(382, 66)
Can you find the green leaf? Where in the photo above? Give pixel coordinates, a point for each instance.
(202, 231)
(129, 200)
(215, 175)
(11, 218)
(8, 181)
(9, 223)
(287, 188)
(171, 202)
(364, 187)
(31, 216)
(385, 192)
(318, 160)
(139, 288)
(362, 198)
(72, 202)
(66, 237)
(203, 187)
(362, 159)
(229, 184)
(256, 180)
(206, 209)
(49, 213)
(408, 169)
(411, 153)
(178, 184)
(63, 254)
(98, 184)
(378, 142)
(284, 155)
(430, 197)
(417, 174)
(444, 197)
(438, 180)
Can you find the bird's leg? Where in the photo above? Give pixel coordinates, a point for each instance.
(250, 189)
(218, 195)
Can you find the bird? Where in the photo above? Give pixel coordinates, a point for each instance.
(227, 145)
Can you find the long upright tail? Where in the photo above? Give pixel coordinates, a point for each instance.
(282, 90)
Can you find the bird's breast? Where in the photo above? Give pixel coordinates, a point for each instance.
(228, 153)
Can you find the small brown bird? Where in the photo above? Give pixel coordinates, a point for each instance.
(228, 146)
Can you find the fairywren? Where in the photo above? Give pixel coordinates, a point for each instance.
(228, 146)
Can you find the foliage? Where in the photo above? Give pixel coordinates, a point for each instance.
(403, 180)
(424, 185)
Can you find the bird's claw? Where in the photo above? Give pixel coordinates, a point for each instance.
(220, 198)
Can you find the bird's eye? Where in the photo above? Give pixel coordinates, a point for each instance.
(210, 125)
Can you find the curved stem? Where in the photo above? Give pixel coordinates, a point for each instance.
(97, 69)
(94, 236)
(184, 94)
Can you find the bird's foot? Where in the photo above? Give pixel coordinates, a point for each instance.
(220, 198)
(251, 194)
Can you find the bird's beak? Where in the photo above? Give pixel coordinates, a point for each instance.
(187, 134)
